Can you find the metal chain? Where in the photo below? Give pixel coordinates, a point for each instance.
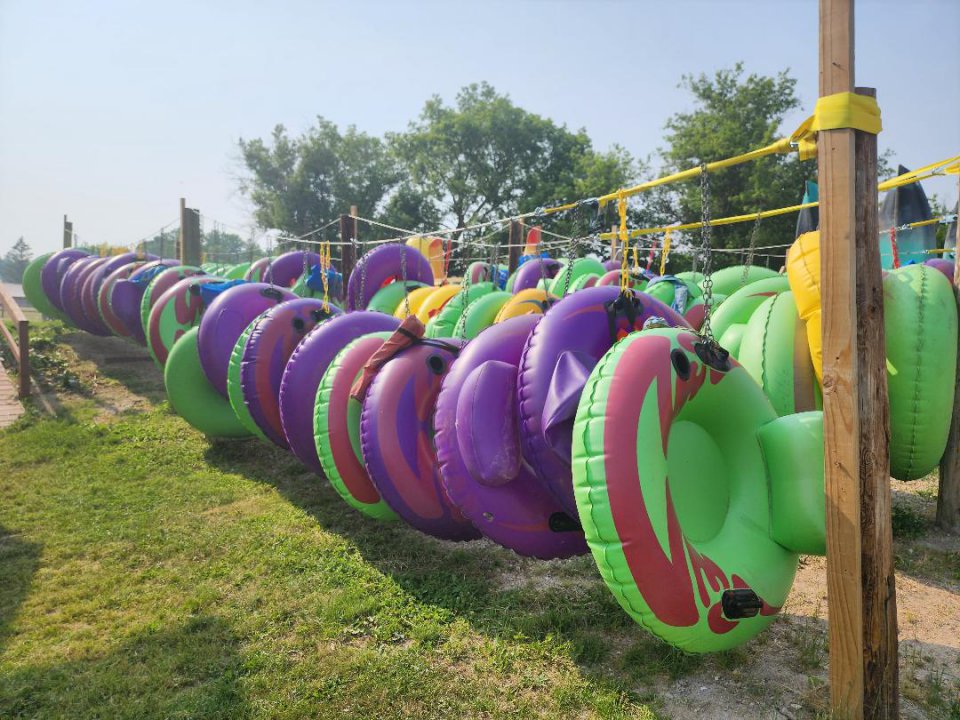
(754, 234)
(466, 300)
(706, 230)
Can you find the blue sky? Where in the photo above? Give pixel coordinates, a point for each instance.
(111, 111)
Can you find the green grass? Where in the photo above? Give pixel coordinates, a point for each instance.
(149, 574)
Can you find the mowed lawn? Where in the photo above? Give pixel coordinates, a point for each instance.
(147, 573)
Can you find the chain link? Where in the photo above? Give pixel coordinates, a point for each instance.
(754, 234)
(706, 231)
(403, 279)
(568, 274)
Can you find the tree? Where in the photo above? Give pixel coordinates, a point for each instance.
(486, 158)
(15, 261)
(735, 112)
(299, 184)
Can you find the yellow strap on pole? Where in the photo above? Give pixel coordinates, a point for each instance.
(665, 251)
(325, 262)
(847, 110)
(624, 242)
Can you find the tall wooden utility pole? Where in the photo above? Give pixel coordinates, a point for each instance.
(190, 241)
(860, 579)
(948, 499)
(67, 233)
(514, 243)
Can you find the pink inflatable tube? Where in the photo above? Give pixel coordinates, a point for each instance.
(479, 449)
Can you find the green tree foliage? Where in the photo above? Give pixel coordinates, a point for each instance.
(298, 184)
(734, 112)
(15, 261)
(485, 157)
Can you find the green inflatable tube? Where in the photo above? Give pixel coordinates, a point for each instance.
(388, 298)
(664, 291)
(690, 276)
(33, 290)
(730, 279)
(775, 352)
(146, 302)
(193, 397)
(235, 390)
(579, 267)
(584, 281)
(738, 307)
(236, 272)
(480, 314)
(672, 491)
(379, 510)
(444, 323)
(920, 323)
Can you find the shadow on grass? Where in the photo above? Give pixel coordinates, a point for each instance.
(192, 670)
(121, 360)
(500, 593)
(19, 561)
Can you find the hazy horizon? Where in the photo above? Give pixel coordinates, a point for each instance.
(110, 112)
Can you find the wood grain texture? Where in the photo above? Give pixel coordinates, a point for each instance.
(67, 233)
(190, 247)
(948, 498)
(348, 257)
(860, 581)
(514, 241)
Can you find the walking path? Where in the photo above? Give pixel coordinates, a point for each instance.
(10, 407)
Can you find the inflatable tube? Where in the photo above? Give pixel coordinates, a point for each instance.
(730, 279)
(477, 442)
(287, 268)
(71, 293)
(943, 265)
(237, 272)
(445, 322)
(432, 249)
(234, 389)
(481, 271)
(696, 311)
(90, 292)
(901, 206)
(336, 429)
(396, 430)
(383, 265)
(808, 219)
(774, 351)
(105, 300)
(803, 273)
(305, 368)
(191, 395)
(612, 277)
(32, 282)
(533, 271)
(436, 301)
(526, 302)
(740, 306)
(257, 269)
(481, 313)
(163, 281)
(272, 339)
(559, 355)
(584, 281)
(415, 300)
(920, 324)
(52, 272)
(568, 275)
(674, 292)
(126, 298)
(225, 319)
(389, 298)
(672, 491)
(691, 276)
(175, 311)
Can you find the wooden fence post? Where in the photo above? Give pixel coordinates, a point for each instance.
(860, 579)
(67, 233)
(514, 241)
(348, 233)
(189, 250)
(948, 498)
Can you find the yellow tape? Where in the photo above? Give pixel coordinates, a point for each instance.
(847, 110)
(624, 242)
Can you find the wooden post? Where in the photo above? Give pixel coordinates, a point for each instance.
(348, 233)
(948, 499)
(67, 233)
(189, 250)
(514, 242)
(860, 579)
(23, 340)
